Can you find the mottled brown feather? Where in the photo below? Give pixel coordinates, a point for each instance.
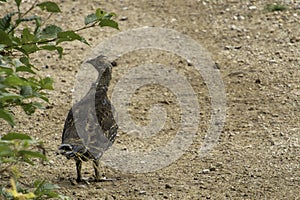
(90, 127)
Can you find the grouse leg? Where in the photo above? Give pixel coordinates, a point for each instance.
(96, 168)
(78, 169)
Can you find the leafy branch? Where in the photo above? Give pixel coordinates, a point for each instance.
(21, 85)
(16, 89)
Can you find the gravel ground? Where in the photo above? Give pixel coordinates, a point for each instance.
(257, 53)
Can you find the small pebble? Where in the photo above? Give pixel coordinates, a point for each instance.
(167, 186)
(124, 18)
(189, 63)
(142, 192)
(212, 169)
(217, 66)
(108, 197)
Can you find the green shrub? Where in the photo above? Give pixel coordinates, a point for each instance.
(22, 86)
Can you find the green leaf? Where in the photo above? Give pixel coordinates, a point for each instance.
(15, 81)
(53, 48)
(29, 108)
(18, 2)
(16, 136)
(5, 21)
(98, 16)
(50, 31)
(26, 91)
(9, 96)
(21, 50)
(44, 98)
(2, 88)
(7, 155)
(49, 6)
(25, 69)
(44, 189)
(1, 48)
(7, 117)
(38, 183)
(32, 81)
(16, 40)
(109, 15)
(5, 39)
(49, 47)
(26, 159)
(60, 51)
(109, 22)
(90, 19)
(30, 48)
(7, 70)
(38, 23)
(49, 186)
(45, 186)
(33, 154)
(100, 13)
(27, 36)
(5, 150)
(25, 61)
(69, 36)
(47, 83)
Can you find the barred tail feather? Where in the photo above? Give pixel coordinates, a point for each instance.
(71, 151)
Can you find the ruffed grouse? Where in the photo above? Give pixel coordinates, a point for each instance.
(90, 127)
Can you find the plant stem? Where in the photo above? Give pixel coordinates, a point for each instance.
(44, 21)
(86, 27)
(31, 8)
(20, 16)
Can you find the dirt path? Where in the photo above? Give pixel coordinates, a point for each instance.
(257, 155)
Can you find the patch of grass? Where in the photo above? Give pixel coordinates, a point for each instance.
(275, 7)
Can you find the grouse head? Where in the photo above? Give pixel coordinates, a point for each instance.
(104, 69)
